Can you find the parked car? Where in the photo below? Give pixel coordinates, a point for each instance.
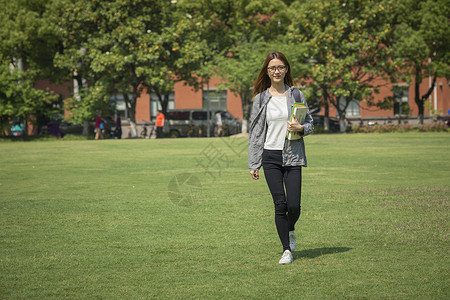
(71, 128)
(194, 123)
(17, 128)
(319, 122)
(77, 129)
(447, 121)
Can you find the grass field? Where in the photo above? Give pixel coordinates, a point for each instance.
(182, 219)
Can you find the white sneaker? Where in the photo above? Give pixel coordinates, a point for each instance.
(292, 240)
(286, 258)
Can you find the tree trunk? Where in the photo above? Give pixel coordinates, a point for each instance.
(85, 128)
(25, 127)
(165, 104)
(244, 127)
(342, 123)
(131, 105)
(326, 106)
(4, 125)
(420, 106)
(326, 117)
(420, 100)
(163, 101)
(246, 109)
(77, 87)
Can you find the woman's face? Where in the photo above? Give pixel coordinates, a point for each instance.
(276, 70)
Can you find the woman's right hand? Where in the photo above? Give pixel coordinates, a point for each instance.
(255, 174)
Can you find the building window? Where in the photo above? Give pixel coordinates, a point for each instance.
(401, 100)
(217, 100)
(121, 107)
(352, 108)
(155, 104)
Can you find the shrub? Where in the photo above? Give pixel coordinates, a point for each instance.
(432, 127)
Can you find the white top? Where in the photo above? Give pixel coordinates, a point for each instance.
(218, 119)
(276, 118)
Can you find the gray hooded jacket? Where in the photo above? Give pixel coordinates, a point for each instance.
(293, 151)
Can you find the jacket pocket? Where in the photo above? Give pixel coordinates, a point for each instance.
(294, 153)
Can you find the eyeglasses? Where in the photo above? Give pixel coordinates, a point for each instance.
(279, 68)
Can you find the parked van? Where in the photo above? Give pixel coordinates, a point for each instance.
(194, 123)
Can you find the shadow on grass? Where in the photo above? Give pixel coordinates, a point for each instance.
(313, 253)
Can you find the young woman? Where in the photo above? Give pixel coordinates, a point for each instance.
(282, 159)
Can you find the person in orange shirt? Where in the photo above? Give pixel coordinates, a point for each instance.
(159, 124)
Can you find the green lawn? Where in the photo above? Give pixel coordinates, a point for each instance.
(182, 219)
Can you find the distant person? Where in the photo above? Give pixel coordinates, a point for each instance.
(219, 123)
(53, 128)
(98, 125)
(159, 124)
(282, 159)
(118, 131)
(144, 132)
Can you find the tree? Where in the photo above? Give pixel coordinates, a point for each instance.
(239, 35)
(347, 49)
(421, 41)
(28, 36)
(28, 43)
(18, 98)
(239, 70)
(182, 53)
(123, 46)
(229, 20)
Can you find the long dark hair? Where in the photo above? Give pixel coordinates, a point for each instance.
(263, 80)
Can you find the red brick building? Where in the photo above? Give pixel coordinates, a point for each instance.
(404, 104)
(185, 97)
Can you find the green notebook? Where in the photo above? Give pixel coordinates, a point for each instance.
(299, 110)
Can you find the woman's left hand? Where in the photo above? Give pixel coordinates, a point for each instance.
(295, 126)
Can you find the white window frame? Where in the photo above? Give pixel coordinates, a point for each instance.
(401, 97)
(217, 99)
(353, 108)
(155, 104)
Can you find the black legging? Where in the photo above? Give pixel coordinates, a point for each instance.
(159, 132)
(287, 204)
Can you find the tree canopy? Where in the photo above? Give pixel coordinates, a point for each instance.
(422, 43)
(347, 49)
(124, 46)
(338, 49)
(27, 47)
